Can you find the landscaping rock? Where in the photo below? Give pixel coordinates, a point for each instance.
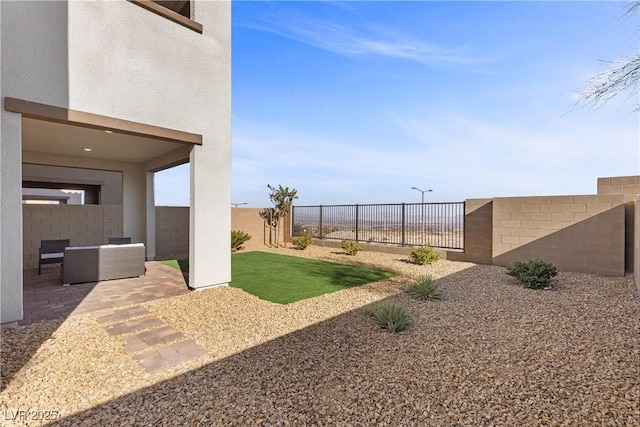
(490, 353)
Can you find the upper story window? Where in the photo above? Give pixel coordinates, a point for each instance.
(182, 7)
(178, 11)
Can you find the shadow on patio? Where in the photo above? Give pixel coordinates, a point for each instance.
(46, 299)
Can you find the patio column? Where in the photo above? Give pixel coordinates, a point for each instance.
(11, 218)
(151, 217)
(210, 213)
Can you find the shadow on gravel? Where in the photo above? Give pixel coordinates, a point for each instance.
(455, 364)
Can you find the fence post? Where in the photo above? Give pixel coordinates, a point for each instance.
(403, 223)
(357, 209)
(321, 221)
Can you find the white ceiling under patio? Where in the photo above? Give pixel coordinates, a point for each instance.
(57, 138)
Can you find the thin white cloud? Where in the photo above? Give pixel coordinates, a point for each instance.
(460, 156)
(354, 40)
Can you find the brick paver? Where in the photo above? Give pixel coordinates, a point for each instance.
(145, 337)
(169, 355)
(44, 297)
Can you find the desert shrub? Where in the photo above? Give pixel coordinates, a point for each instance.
(351, 247)
(423, 255)
(301, 242)
(534, 274)
(424, 288)
(389, 315)
(238, 238)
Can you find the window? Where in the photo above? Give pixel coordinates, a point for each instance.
(181, 7)
(178, 11)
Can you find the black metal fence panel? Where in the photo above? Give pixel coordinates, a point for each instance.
(440, 225)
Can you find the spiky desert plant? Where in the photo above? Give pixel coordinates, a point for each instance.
(390, 315)
(238, 238)
(424, 288)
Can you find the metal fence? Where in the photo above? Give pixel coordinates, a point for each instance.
(440, 225)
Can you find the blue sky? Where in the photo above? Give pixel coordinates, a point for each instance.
(357, 102)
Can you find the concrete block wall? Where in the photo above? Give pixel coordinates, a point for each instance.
(623, 189)
(172, 232)
(478, 235)
(575, 233)
(636, 245)
(84, 225)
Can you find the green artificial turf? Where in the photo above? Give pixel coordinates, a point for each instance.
(180, 264)
(284, 279)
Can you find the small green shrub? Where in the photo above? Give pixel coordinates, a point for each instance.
(389, 315)
(424, 255)
(534, 274)
(351, 247)
(424, 288)
(301, 242)
(238, 238)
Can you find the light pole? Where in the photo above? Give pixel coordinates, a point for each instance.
(422, 209)
(235, 205)
(422, 191)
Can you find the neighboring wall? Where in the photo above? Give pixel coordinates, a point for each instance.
(575, 233)
(172, 232)
(636, 244)
(249, 221)
(622, 189)
(84, 225)
(586, 233)
(478, 237)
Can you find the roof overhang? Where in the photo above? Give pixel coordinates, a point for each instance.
(56, 130)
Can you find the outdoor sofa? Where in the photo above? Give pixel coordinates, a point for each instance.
(106, 262)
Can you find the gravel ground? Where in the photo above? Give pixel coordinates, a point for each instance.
(491, 353)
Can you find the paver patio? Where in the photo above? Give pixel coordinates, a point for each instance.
(46, 299)
(146, 338)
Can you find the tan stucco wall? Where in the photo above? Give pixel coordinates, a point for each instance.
(249, 221)
(84, 225)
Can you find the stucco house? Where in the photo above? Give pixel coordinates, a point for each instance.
(99, 95)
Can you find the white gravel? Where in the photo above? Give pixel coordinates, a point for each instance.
(491, 353)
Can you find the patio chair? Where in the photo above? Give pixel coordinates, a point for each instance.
(51, 252)
(119, 240)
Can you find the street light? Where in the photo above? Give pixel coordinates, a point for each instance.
(422, 191)
(235, 205)
(422, 209)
